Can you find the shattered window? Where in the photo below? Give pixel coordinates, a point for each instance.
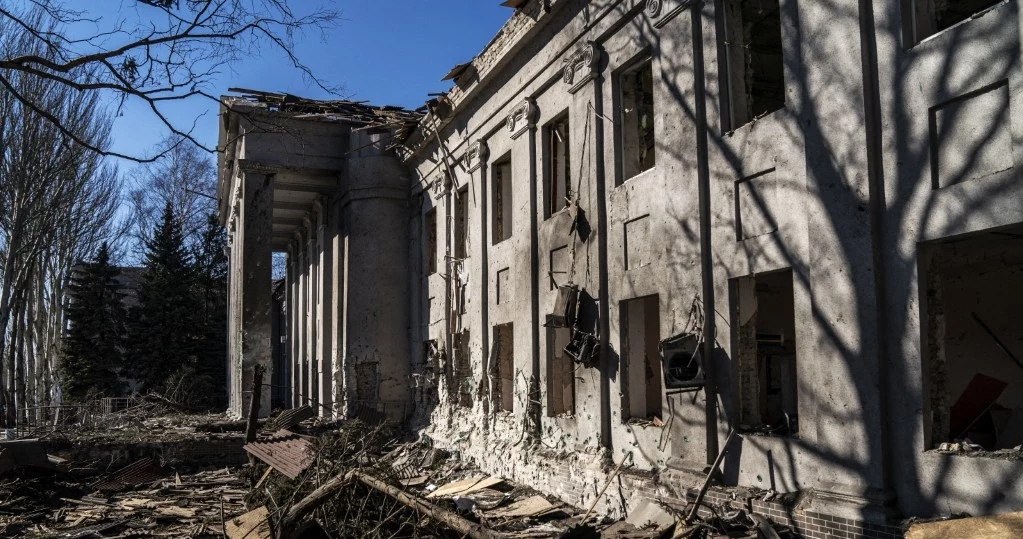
(755, 64)
(462, 223)
(559, 187)
(560, 373)
(503, 375)
(972, 353)
(431, 242)
(641, 362)
(765, 352)
(933, 16)
(501, 197)
(637, 118)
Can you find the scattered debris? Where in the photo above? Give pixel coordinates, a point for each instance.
(1006, 526)
(140, 472)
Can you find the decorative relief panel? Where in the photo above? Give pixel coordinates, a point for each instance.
(581, 66)
(522, 118)
(440, 185)
(477, 154)
(662, 11)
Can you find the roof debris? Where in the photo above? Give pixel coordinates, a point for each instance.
(352, 112)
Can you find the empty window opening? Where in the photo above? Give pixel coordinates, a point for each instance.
(765, 352)
(462, 223)
(501, 205)
(755, 65)
(637, 119)
(560, 373)
(973, 341)
(431, 242)
(558, 186)
(641, 363)
(462, 392)
(503, 379)
(932, 16)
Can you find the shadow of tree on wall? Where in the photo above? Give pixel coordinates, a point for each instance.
(840, 177)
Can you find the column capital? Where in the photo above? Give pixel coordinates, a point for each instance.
(581, 66)
(522, 118)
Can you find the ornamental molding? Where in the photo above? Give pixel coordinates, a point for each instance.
(440, 185)
(249, 166)
(522, 118)
(581, 66)
(476, 155)
(660, 12)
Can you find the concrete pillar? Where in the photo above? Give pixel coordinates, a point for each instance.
(292, 286)
(312, 299)
(376, 276)
(255, 265)
(336, 310)
(301, 337)
(324, 310)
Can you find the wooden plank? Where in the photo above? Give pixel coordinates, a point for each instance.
(528, 507)
(251, 525)
(465, 486)
(1006, 526)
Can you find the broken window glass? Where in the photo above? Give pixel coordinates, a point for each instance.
(755, 63)
(637, 118)
(641, 362)
(559, 187)
(501, 197)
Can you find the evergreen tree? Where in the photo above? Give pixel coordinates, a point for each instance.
(163, 332)
(92, 356)
(211, 291)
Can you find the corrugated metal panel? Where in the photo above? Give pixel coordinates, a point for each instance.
(285, 451)
(294, 416)
(139, 472)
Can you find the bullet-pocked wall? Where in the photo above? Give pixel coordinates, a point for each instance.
(832, 140)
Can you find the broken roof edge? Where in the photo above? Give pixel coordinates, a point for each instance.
(489, 61)
(299, 108)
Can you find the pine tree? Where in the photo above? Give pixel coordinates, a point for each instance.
(163, 332)
(211, 291)
(92, 352)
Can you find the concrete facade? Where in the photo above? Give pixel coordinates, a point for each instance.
(823, 199)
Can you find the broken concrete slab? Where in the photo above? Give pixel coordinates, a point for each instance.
(647, 514)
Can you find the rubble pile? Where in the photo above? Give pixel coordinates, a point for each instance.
(60, 504)
(306, 478)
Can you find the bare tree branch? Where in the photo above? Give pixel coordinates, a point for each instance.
(172, 52)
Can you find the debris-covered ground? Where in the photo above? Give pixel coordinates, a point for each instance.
(305, 478)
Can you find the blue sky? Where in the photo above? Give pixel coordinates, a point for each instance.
(387, 52)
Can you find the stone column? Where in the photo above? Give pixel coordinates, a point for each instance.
(336, 310)
(324, 310)
(312, 299)
(302, 298)
(255, 264)
(292, 286)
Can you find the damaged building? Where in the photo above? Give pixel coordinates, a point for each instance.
(633, 227)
